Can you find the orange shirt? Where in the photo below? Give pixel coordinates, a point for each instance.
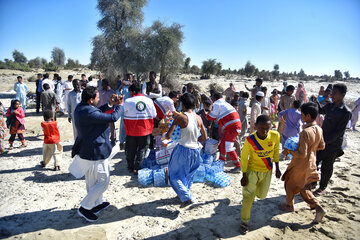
(51, 132)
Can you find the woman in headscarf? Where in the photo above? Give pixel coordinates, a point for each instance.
(301, 93)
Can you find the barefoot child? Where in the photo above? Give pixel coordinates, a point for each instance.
(301, 171)
(52, 146)
(185, 158)
(260, 150)
(15, 122)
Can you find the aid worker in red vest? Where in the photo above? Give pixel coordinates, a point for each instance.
(165, 105)
(52, 146)
(229, 127)
(139, 114)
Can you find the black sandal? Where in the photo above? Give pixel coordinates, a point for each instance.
(244, 228)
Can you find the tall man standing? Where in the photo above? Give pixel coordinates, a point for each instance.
(139, 112)
(93, 149)
(38, 91)
(21, 90)
(73, 99)
(105, 95)
(68, 87)
(337, 116)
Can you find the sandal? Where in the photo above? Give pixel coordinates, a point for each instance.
(42, 164)
(57, 168)
(244, 228)
(11, 148)
(23, 146)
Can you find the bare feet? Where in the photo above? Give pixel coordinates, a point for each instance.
(244, 228)
(320, 213)
(286, 207)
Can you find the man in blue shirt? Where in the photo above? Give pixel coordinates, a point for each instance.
(38, 91)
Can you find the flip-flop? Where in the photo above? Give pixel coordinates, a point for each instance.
(244, 228)
(319, 216)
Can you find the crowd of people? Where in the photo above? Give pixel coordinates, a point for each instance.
(251, 141)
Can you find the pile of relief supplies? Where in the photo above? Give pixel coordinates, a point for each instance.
(155, 166)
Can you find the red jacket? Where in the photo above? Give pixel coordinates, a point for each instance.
(51, 132)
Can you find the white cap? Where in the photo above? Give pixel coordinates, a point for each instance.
(260, 94)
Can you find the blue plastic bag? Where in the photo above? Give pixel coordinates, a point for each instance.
(176, 135)
(200, 174)
(159, 178)
(219, 163)
(291, 143)
(210, 172)
(222, 179)
(207, 158)
(145, 177)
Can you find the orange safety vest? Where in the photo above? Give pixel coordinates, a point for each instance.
(51, 132)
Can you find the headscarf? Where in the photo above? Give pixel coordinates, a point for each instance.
(299, 90)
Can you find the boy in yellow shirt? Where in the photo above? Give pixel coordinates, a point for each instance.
(260, 150)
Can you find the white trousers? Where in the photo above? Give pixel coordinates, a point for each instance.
(74, 128)
(97, 179)
(52, 150)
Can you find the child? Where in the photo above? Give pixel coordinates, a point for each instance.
(15, 122)
(185, 158)
(301, 172)
(2, 129)
(292, 124)
(51, 141)
(260, 150)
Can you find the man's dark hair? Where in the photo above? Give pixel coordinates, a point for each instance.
(259, 80)
(48, 114)
(173, 94)
(290, 88)
(297, 104)
(58, 78)
(127, 75)
(310, 108)
(90, 78)
(152, 72)
(135, 87)
(105, 82)
(39, 75)
(234, 103)
(46, 75)
(258, 97)
(46, 86)
(216, 95)
(188, 100)
(88, 93)
(83, 75)
(340, 87)
(245, 95)
(263, 119)
(70, 77)
(207, 102)
(263, 89)
(19, 77)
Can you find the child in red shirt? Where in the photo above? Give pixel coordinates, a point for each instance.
(52, 146)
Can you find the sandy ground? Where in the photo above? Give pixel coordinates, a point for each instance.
(40, 203)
